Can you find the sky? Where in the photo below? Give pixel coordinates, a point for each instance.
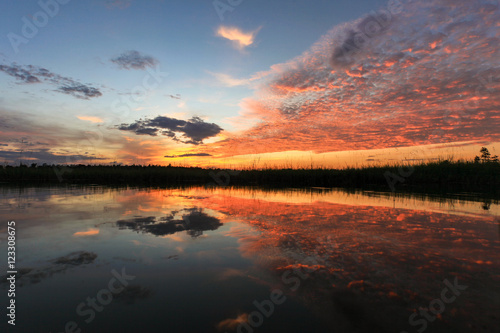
(239, 83)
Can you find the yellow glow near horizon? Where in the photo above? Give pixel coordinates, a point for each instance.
(338, 160)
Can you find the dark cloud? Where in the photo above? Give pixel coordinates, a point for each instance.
(146, 131)
(357, 38)
(32, 74)
(134, 60)
(44, 156)
(76, 258)
(28, 275)
(188, 155)
(194, 130)
(176, 96)
(80, 91)
(19, 73)
(194, 222)
(197, 130)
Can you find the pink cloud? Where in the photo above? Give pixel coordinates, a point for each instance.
(413, 76)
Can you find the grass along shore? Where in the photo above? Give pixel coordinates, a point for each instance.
(478, 176)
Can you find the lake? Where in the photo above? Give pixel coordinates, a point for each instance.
(196, 259)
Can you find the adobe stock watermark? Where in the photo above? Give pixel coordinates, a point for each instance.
(103, 297)
(30, 28)
(393, 179)
(223, 6)
(223, 177)
(292, 278)
(437, 306)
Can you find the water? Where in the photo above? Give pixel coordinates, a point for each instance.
(250, 260)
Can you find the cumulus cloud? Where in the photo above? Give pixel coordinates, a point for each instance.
(33, 74)
(193, 131)
(239, 38)
(188, 155)
(424, 73)
(194, 221)
(134, 60)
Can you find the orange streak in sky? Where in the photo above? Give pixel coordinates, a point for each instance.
(91, 232)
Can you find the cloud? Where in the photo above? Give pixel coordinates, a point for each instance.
(396, 78)
(28, 275)
(176, 96)
(239, 38)
(194, 130)
(23, 74)
(194, 221)
(92, 119)
(188, 155)
(79, 90)
(91, 232)
(134, 60)
(358, 37)
(228, 81)
(36, 138)
(232, 323)
(33, 74)
(45, 156)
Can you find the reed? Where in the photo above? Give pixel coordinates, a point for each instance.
(460, 175)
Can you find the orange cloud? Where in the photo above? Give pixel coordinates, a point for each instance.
(398, 87)
(237, 36)
(91, 232)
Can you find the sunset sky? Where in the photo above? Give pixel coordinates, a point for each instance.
(248, 83)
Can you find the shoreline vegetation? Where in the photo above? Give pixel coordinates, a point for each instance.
(440, 176)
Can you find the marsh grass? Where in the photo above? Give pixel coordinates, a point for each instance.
(458, 175)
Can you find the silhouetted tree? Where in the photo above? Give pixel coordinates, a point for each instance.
(485, 156)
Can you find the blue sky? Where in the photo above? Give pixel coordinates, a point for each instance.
(79, 41)
(204, 73)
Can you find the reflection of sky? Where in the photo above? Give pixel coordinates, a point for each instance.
(365, 248)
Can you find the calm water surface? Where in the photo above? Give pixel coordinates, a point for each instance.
(97, 259)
